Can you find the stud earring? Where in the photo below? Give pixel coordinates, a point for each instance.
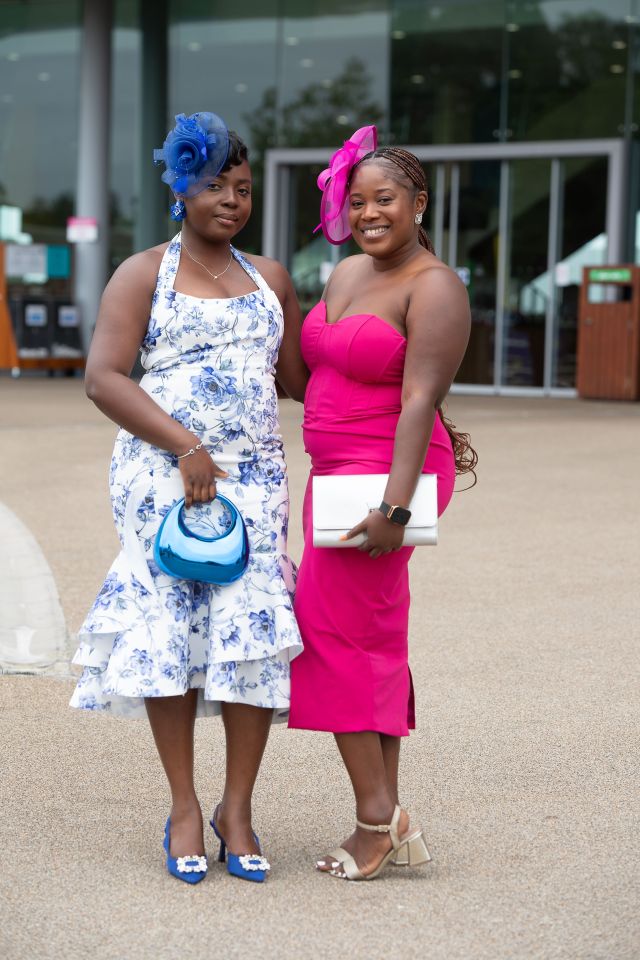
(178, 210)
(418, 219)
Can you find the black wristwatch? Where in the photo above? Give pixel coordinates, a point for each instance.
(395, 514)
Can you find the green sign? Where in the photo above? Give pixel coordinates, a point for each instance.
(610, 275)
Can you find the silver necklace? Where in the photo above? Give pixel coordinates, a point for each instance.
(199, 262)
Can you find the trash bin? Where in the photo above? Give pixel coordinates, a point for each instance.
(66, 340)
(608, 364)
(46, 336)
(33, 330)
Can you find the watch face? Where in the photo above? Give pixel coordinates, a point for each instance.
(401, 516)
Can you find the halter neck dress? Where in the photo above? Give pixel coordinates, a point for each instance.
(210, 363)
(353, 612)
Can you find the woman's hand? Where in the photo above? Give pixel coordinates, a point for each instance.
(199, 474)
(382, 536)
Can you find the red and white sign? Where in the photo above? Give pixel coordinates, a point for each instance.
(82, 230)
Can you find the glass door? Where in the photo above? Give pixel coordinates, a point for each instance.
(525, 301)
(310, 257)
(582, 241)
(471, 248)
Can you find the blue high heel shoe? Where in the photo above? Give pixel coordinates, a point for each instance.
(190, 869)
(249, 866)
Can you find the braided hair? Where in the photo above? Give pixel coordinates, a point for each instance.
(411, 175)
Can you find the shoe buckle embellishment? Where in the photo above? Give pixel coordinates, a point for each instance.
(191, 864)
(253, 862)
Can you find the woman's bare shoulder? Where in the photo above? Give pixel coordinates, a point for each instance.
(273, 272)
(269, 268)
(346, 272)
(436, 291)
(434, 275)
(349, 266)
(141, 269)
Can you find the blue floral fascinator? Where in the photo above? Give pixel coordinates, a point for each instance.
(193, 152)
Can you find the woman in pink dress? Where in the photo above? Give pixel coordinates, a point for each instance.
(383, 346)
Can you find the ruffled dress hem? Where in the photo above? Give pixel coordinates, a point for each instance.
(123, 662)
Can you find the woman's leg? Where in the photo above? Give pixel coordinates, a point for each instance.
(172, 721)
(364, 758)
(391, 760)
(390, 750)
(247, 730)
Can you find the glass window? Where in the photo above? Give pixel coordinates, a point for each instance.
(293, 76)
(311, 257)
(565, 66)
(125, 128)
(446, 71)
(39, 73)
(633, 131)
(583, 242)
(221, 61)
(333, 72)
(476, 247)
(227, 62)
(511, 70)
(525, 300)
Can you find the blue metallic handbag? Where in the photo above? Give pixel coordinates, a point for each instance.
(182, 553)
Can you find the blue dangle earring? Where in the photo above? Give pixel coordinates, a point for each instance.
(178, 210)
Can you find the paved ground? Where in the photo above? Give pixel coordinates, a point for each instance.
(524, 768)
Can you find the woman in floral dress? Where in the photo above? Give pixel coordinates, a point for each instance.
(215, 329)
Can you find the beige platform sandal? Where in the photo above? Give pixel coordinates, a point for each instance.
(337, 856)
(334, 856)
(410, 850)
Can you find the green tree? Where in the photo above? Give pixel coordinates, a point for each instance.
(320, 115)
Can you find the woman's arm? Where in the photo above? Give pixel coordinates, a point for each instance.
(438, 324)
(120, 329)
(291, 371)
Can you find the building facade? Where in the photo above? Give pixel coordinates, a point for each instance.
(525, 115)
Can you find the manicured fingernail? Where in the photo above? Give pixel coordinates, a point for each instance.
(343, 537)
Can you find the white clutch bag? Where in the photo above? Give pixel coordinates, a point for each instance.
(341, 501)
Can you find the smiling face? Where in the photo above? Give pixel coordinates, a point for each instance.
(222, 209)
(382, 207)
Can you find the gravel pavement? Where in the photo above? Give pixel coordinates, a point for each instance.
(523, 770)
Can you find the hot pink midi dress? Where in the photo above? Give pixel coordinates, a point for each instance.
(353, 612)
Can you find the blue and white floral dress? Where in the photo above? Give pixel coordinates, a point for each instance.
(210, 364)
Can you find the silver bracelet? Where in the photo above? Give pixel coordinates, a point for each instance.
(199, 446)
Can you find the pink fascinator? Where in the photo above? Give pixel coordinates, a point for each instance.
(334, 183)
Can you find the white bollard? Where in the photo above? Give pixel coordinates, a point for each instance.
(33, 633)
